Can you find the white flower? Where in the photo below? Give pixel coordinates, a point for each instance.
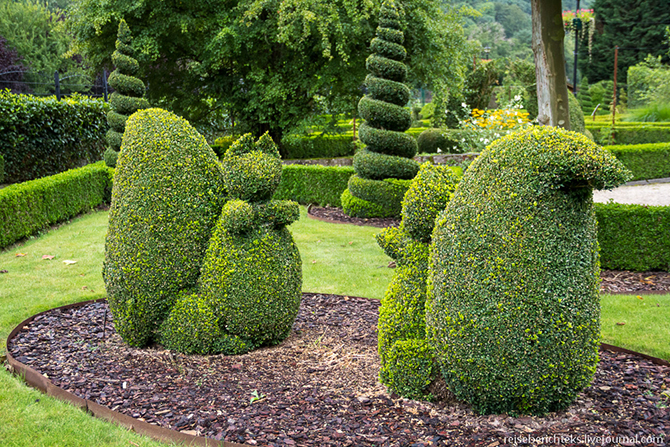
(439, 150)
(517, 97)
(464, 105)
(481, 139)
(520, 120)
(486, 141)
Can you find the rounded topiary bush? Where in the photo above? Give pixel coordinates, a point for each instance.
(252, 272)
(389, 151)
(432, 141)
(167, 196)
(128, 95)
(513, 308)
(407, 362)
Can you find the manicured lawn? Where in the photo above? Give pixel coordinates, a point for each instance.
(339, 259)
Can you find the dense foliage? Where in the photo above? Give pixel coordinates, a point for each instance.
(128, 95)
(11, 68)
(316, 184)
(513, 306)
(168, 193)
(378, 187)
(38, 36)
(265, 65)
(634, 237)
(42, 136)
(407, 363)
(28, 207)
(638, 28)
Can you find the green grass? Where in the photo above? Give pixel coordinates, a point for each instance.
(651, 113)
(645, 325)
(339, 259)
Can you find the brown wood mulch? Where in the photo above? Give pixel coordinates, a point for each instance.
(320, 387)
(613, 281)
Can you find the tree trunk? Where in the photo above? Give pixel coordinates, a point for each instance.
(552, 87)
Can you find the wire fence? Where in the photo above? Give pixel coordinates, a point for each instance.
(43, 84)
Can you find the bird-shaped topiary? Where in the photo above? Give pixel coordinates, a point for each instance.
(128, 96)
(513, 310)
(407, 361)
(384, 167)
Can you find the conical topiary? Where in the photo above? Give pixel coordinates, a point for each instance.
(384, 168)
(129, 91)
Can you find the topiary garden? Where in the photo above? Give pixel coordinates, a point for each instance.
(384, 167)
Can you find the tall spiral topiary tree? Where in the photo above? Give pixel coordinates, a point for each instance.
(129, 91)
(384, 168)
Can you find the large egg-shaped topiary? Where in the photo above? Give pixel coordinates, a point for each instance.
(167, 196)
(513, 310)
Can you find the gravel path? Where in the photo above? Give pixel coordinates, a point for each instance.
(646, 192)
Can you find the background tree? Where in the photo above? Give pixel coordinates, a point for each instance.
(11, 69)
(637, 27)
(264, 64)
(38, 36)
(129, 91)
(552, 87)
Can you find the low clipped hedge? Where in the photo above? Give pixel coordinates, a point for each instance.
(42, 136)
(320, 185)
(633, 237)
(632, 134)
(644, 160)
(26, 208)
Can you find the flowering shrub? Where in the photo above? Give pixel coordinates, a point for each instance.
(582, 21)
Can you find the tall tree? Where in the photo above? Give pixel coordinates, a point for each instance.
(637, 27)
(265, 62)
(11, 69)
(552, 87)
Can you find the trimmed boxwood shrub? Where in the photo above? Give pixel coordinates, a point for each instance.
(42, 136)
(634, 237)
(323, 146)
(513, 308)
(643, 134)
(28, 207)
(646, 161)
(407, 361)
(129, 94)
(370, 193)
(252, 272)
(375, 166)
(430, 140)
(320, 185)
(167, 196)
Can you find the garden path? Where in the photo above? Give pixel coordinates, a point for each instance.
(654, 192)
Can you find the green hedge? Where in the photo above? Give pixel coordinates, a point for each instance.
(644, 160)
(28, 207)
(320, 185)
(634, 237)
(43, 136)
(631, 134)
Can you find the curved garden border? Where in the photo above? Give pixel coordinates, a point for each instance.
(37, 380)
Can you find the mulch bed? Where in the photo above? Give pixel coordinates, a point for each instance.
(320, 387)
(613, 281)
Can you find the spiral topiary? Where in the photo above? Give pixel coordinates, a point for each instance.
(513, 311)
(128, 95)
(407, 360)
(384, 168)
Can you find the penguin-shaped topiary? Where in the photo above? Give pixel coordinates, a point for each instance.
(384, 168)
(129, 92)
(407, 362)
(513, 310)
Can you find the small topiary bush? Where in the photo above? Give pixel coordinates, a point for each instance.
(513, 308)
(407, 361)
(388, 155)
(128, 95)
(433, 140)
(251, 274)
(167, 196)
